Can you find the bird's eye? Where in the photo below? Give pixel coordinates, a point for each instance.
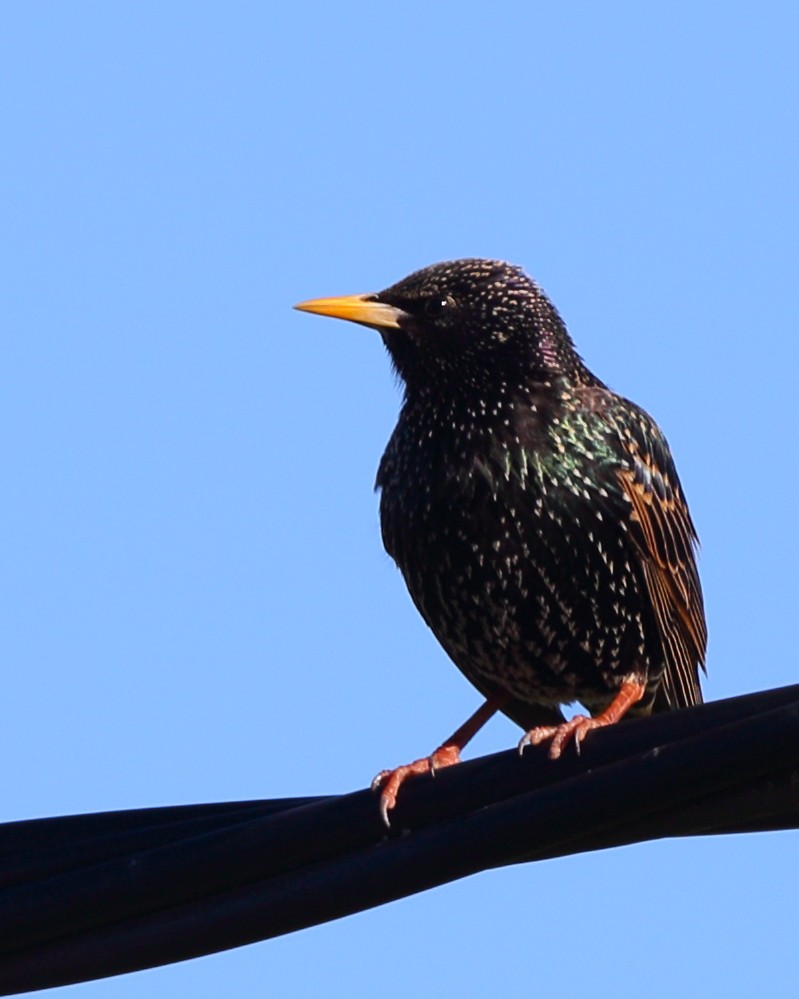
(433, 307)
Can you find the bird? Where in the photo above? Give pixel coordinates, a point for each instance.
(536, 516)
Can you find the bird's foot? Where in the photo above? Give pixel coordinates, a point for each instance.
(388, 782)
(630, 692)
(577, 729)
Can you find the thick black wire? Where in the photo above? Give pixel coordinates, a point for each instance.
(84, 897)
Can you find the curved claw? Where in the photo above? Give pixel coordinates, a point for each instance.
(384, 807)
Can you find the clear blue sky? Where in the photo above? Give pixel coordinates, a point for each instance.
(196, 604)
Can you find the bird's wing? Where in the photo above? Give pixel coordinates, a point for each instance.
(661, 528)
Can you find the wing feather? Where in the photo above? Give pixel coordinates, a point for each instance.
(661, 526)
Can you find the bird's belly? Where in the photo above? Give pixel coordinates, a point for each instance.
(539, 606)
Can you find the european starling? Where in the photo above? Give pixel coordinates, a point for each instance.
(536, 516)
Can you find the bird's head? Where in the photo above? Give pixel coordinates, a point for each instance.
(465, 321)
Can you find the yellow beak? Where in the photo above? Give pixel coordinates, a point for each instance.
(356, 308)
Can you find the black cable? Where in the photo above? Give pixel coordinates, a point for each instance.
(84, 897)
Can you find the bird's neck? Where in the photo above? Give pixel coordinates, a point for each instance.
(469, 385)
(477, 415)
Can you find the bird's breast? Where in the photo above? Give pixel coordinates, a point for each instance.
(509, 558)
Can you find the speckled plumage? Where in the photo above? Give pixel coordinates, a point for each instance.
(536, 516)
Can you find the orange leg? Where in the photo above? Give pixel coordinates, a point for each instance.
(448, 753)
(630, 692)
